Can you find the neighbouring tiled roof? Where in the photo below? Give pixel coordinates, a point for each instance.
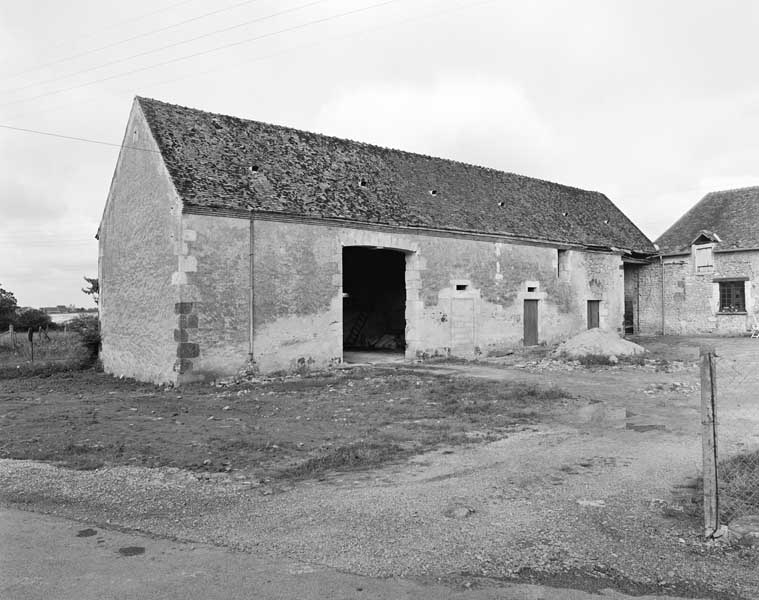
(731, 214)
(223, 162)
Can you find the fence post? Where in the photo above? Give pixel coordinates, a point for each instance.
(708, 363)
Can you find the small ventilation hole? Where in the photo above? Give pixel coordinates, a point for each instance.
(254, 168)
(433, 192)
(460, 287)
(362, 183)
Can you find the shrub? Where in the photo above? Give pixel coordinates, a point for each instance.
(88, 328)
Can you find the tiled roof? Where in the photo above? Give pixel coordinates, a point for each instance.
(223, 162)
(731, 214)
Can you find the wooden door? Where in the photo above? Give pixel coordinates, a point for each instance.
(594, 319)
(629, 317)
(462, 326)
(530, 322)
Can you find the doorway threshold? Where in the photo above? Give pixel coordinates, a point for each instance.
(373, 357)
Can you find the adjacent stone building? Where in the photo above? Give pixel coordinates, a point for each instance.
(228, 244)
(706, 280)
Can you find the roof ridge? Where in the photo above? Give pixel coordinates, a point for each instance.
(739, 189)
(377, 146)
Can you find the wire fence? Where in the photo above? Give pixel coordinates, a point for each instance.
(730, 420)
(50, 346)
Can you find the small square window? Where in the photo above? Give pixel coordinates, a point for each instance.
(532, 288)
(461, 287)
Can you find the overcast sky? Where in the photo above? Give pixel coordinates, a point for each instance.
(652, 103)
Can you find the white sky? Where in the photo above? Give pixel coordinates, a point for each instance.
(652, 103)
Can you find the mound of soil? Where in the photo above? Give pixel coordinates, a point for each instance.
(597, 342)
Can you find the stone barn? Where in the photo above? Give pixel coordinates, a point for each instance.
(230, 244)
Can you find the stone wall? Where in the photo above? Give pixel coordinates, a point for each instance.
(691, 298)
(137, 260)
(451, 282)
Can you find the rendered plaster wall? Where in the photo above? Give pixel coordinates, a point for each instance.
(297, 292)
(213, 329)
(691, 299)
(136, 262)
(297, 296)
(501, 276)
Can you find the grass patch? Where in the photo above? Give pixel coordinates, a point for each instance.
(287, 428)
(739, 485)
(60, 351)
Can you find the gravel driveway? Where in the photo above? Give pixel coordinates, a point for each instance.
(597, 498)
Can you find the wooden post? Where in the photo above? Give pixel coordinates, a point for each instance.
(709, 438)
(30, 335)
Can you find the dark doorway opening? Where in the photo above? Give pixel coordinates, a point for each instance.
(629, 317)
(374, 300)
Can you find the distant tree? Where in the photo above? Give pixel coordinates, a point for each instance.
(93, 288)
(8, 306)
(32, 318)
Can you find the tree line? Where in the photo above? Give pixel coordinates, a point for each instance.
(32, 318)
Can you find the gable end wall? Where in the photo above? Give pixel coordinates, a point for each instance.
(140, 292)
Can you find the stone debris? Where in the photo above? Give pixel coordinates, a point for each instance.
(676, 387)
(744, 531)
(598, 342)
(459, 512)
(592, 503)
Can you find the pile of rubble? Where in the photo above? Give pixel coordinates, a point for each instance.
(597, 342)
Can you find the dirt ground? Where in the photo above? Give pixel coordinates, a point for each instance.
(597, 491)
(277, 428)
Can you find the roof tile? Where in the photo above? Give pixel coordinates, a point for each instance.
(730, 214)
(223, 162)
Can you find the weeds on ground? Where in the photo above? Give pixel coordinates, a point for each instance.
(604, 360)
(55, 352)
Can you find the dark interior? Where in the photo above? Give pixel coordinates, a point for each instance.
(374, 299)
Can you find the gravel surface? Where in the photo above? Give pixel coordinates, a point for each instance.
(531, 507)
(601, 499)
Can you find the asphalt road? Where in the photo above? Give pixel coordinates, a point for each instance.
(51, 558)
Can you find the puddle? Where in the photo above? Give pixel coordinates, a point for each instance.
(644, 428)
(131, 551)
(86, 533)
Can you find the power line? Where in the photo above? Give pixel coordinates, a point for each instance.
(78, 139)
(106, 28)
(118, 43)
(204, 52)
(167, 46)
(322, 42)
